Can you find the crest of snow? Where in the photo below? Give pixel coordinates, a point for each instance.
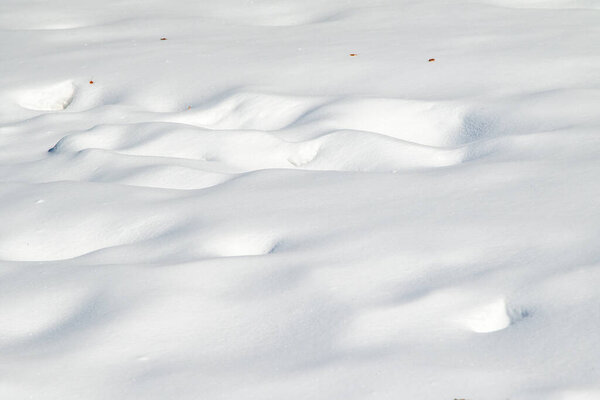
(55, 97)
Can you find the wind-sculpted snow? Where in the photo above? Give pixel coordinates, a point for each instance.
(53, 98)
(252, 132)
(214, 199)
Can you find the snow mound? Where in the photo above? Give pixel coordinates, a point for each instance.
(244, 132)
(55, 97)
(488, 318)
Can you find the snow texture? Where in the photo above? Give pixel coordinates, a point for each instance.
(244, 210)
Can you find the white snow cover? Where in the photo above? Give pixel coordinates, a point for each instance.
(246, 211)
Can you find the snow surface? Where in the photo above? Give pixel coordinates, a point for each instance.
(245, 211)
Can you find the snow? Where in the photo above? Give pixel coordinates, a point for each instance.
(53, 98)
(245, 211)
